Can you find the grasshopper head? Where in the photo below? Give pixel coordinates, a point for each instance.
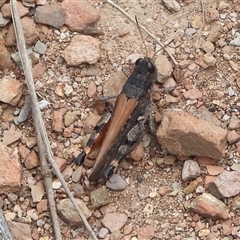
(146, 63)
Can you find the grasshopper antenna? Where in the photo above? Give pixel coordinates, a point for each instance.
(138, 27)
(162, 47)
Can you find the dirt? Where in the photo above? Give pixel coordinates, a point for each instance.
(166, 213)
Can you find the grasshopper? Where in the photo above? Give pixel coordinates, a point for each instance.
(120, 130)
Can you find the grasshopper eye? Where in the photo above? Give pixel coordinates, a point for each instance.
(138, 61)
(151, 67)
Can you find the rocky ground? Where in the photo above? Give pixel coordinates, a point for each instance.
(180, 183)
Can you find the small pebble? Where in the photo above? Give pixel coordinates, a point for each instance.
(191, 170)
(116, 182)
(103, 232)
(231, 92)
(56, 184)
(152, 194)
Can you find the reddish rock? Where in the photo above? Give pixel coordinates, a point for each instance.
(92, 89)
(184, 63)
(206, 160)
(35, 233)
(10, 170)
(199, 225)
(214, 170)
(114, 221)
(57, 121)
(2, 2)
(5, 58)
(6, 10)
(8, 114)
(51, 14)
(192, 94)
(108, 208)
(11, 90)
(227, 227)
(184, 135)
(68, 132)
(42, 206)
(207, 205)
(29, 30)
(162, 191)
(79, 14)
(199, 61)
(30, 142)
(38, 70)
(138, 153)
(91, 122)
(233, 136)
(32, 160)
(23, 151)
(82, 49)
(233, 65)
(10, 136)
(146, 233)
(20, 231)
(61, 163)
(234, 123)
(67, 172)
(227, 184)
(208, 180)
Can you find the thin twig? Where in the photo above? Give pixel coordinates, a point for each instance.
(143, 28)
(140, 32)
(35, 109)
(47, 177)
(203, 12)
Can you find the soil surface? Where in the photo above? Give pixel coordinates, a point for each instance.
(153, 211)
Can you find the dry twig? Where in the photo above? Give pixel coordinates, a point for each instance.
(144, 29)
(38, 121)
(47, 178)
(203, 12)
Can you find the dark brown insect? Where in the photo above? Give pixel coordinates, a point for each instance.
(118, 132)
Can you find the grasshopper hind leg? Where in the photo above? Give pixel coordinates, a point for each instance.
(124, 146)
(96, 138)
(125, 143)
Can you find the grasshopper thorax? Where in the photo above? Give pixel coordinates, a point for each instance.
(146, 63)
(141, 79)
